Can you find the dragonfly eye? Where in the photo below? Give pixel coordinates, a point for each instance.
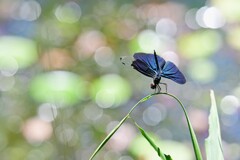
(153, 86)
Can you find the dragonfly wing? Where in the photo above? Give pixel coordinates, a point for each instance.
(143, 68)
(171, 71)
(126, 60)
(149, 59)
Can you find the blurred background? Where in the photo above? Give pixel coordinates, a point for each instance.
(63, 87)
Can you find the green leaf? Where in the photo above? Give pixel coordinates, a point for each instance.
(156, 148)
(168, 157)
(108, 137)
(196, 147)
(117, 127)
(213, 143)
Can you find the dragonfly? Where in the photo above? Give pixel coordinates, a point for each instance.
(154, 66)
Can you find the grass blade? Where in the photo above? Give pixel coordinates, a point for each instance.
(117, 127)
(108, 137)
(213, 143)
(156, 148)
(196, 147)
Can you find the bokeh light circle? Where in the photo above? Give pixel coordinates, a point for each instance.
(210, 17)
(202, 70)
(125, 158)
(36, 130)
(86, 49)
(199, 44)
(166, 27)
(190, 19)
(110, 91)
(6, 83)
(28, 11)
(8, 66)
(24, 52)
(199, 16)
(152, 116)
(233, 37)
(229, 8)
(47, 112)
(229, 104)
(213, 18)
(93, 112)
(70, 12)
(171, 56)
(148, 40)
(59, 87)
(104, 56)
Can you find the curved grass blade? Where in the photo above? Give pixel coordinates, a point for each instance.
(108, 137)
(196, 147)
(213, 143)
(168, 157)
(192, 134)
(117, 127)
(156, 148)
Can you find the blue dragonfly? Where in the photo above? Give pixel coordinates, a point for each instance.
(156, 67)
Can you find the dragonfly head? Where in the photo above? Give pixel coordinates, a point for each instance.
(156, 81)
(153, 86)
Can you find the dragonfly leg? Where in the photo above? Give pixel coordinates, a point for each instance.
(165, 84)
(158, 89)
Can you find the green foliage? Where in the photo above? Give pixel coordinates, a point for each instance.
(151, 142)
(196, 147)
(116, 128)
(65, 88)
(145, 135)
(213, 143)
(108, 137)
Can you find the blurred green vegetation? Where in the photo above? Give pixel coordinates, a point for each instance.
(63, 87)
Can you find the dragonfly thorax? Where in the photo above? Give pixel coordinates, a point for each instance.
(155, 83)
(156, 80)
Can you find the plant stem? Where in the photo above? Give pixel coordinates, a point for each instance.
(196, 148)
(117, 127)
(146, 136)
(192, 134)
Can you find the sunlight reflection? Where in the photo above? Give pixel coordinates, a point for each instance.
(27, 10)
(93, 112)
(36, 130)
(70, 12)
(47, 112)
(148, 40)
(66, 134)
(202, 70)
(118, 142)
(7, 83)
(229, 104)
(213, 18)
(152, 116)
(88, 42)
(110, 91)
(166, 27)
(199, 16)
(171, 56)
(190, 19)
(104, 56)
(8, 66)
